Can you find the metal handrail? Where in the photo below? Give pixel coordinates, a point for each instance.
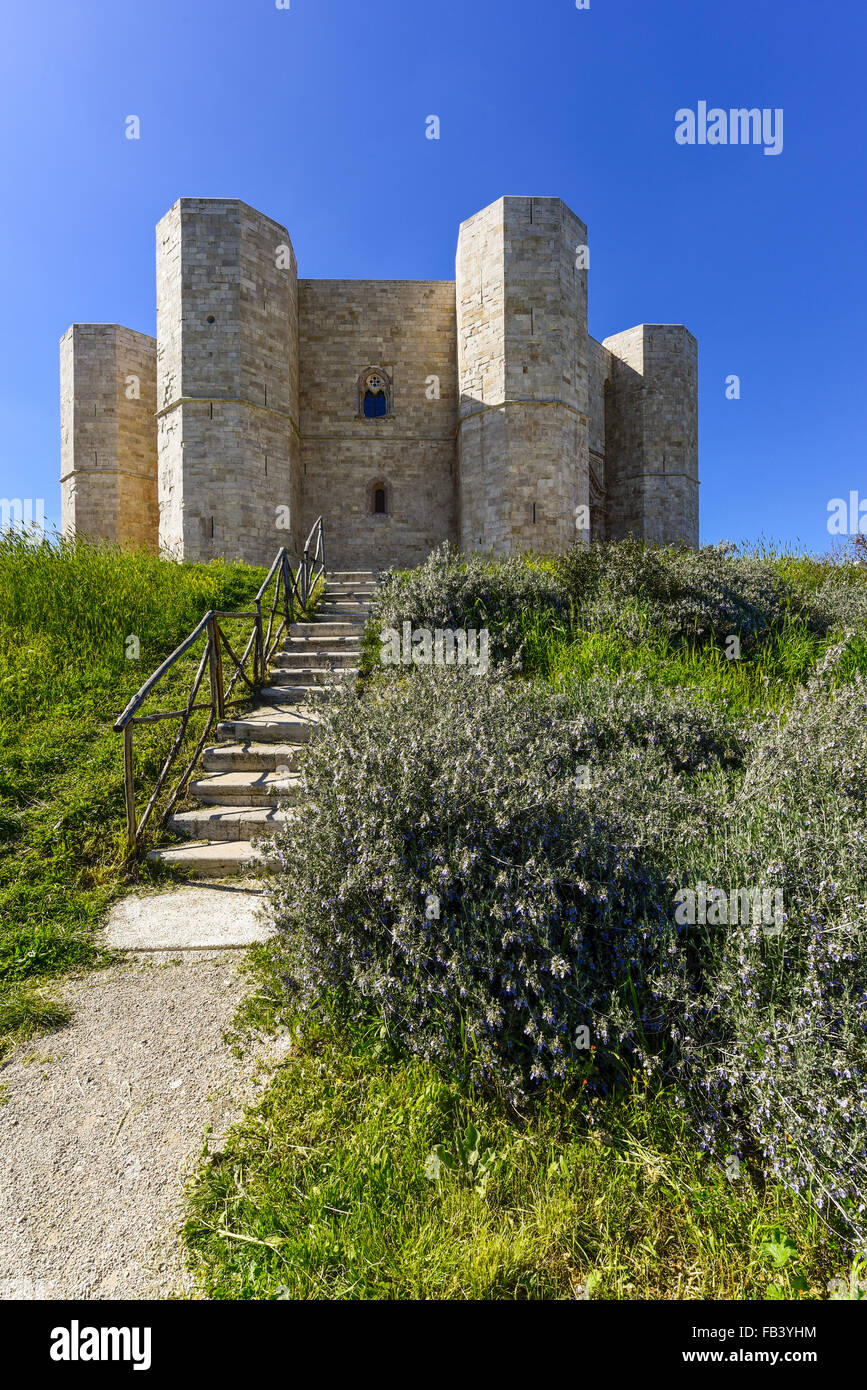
(297, 585)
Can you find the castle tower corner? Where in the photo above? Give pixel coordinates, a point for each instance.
(227, 382)
(108, 434)
(523, 368)
(651, 442)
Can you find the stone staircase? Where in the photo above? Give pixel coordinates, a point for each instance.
(249, 781)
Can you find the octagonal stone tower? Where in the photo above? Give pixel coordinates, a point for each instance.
(227, 382)
(523, 441)
(108, 447)
(651, 442)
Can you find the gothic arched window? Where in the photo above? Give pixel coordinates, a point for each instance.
(379, 501)
(374, 394)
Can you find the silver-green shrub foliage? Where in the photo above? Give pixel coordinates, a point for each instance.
(699, 595)
(551, 895)
(841, 606)
(454, 591)
(556, 904)
(626, 587)
(771, 1033)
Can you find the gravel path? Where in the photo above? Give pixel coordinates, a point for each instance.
(103, 1121)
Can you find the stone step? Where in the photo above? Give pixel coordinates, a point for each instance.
(339, 627)
(289, 723)
(250, 757)
(312, 694)
(246, 788)
(243, 797)
(313, 641)
(229, 822)
(310, 675)
(309, 659)
(356, 613)
(208, 859)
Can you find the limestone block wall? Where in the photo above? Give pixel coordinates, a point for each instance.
(482, 428)
(652, 434)
(523, 375)
(227, 382)
(624, 435)
(108, 448)
(671, 434)
(599, 372)
(406, 328)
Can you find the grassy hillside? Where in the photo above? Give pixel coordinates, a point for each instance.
(434, 1133)
(442, 1129)
(324, 1191)
(66, 612)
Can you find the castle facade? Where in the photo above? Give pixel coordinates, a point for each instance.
(404, 412)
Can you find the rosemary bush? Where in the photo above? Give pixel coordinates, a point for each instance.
(484, 863)
(772, 1041)
(493, 865)
(455, 591)
(702, 595)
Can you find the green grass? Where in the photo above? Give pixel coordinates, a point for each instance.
(25, 1011)
(66, 611)
(322, 1193)
(759, 679)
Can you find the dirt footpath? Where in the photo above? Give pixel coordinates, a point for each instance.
(103, 1121)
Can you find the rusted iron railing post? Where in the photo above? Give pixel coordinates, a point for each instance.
(215, 662)
(258, 655)
(129, 788)
(297, 589)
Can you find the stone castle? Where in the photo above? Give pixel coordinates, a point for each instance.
(404, 412)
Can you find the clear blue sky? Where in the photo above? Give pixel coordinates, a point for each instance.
(316, 116)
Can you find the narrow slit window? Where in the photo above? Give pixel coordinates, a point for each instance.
(379, 504)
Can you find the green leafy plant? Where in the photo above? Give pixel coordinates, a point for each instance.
(782, 1252)
(468, 1157)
